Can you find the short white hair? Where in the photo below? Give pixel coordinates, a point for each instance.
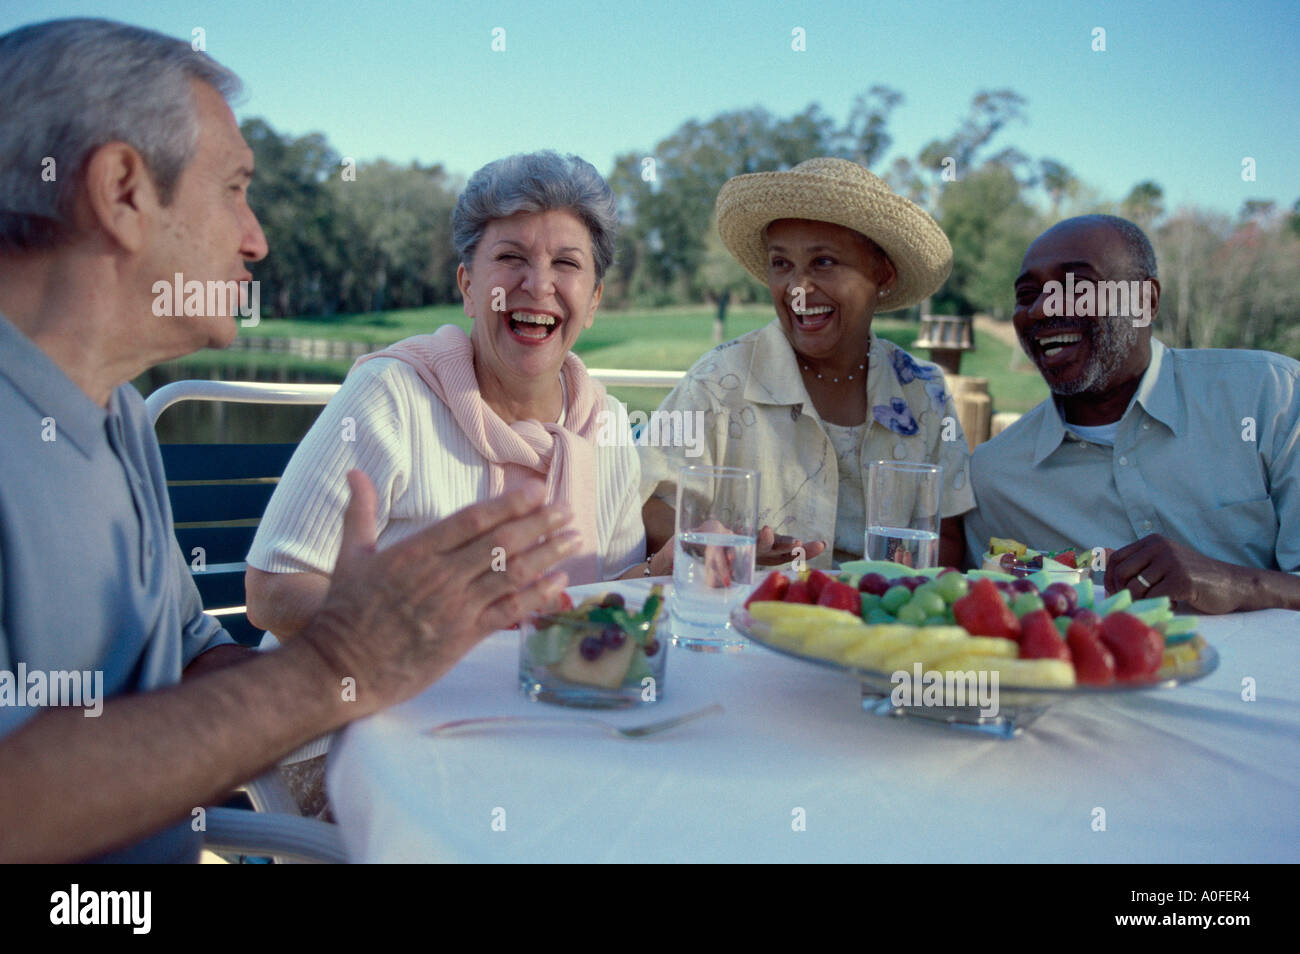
(68, 87)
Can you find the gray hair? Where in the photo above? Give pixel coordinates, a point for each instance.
(1137, 247)
(70, 86)
(537, 182)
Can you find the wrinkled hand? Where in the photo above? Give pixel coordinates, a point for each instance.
(775, 549)
(1173, 570)
(398, 619)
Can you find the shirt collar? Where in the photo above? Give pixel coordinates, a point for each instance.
(774, 376)
(774, 370)
(49, 390)
(1156, 393)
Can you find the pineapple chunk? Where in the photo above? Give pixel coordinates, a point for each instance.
(930, 642)
(607, 670)
(998, 545)
(1020, 673)
(879, 642)
(832, 642)
(772, 612)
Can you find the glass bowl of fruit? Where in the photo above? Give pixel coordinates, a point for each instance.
(600, 654)
(1055, 566)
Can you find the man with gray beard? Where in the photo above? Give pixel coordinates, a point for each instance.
(1185, 463)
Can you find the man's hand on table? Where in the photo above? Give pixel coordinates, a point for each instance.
(397, 619)
(1206, 585)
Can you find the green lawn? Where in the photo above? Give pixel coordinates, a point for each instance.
(669, 339)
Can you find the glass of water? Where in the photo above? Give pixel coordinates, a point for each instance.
(713, 558)
(903, 509)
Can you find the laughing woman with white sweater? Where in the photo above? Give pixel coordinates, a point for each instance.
(444, 420)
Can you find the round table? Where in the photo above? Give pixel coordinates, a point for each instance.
(794, 770)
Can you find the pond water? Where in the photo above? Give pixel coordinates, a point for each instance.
(224, 422)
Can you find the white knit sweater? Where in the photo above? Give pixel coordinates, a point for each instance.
(386, 422)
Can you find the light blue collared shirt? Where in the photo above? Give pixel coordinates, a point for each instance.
(91, 576)
(1207, 454)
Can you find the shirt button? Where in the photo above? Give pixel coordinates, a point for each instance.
(1146, 425)
(1123, 461)
(1146, 524)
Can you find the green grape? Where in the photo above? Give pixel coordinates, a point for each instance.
(952, 586)
(1026, 603)
(936, 621)
(878, 617)
(895, 597)
(929, 601)
(912, 615)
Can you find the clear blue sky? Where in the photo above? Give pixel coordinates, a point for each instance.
(1182, 93)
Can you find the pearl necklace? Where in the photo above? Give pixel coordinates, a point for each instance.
(861, 367)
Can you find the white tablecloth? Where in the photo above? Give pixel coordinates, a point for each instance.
(796, 771)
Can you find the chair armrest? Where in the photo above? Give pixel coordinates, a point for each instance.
(283, 836)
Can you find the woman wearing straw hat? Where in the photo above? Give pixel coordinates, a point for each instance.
(811, 398)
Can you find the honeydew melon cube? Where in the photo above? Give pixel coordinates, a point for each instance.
(1115, 603)
(1084, 589)
(1138, 607)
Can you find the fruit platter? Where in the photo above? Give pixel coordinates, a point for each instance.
(601, 653)
(1037, 641)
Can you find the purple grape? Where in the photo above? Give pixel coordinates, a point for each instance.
(1023, 586)
(612, 601)
(612, 636)
(873, 583)
(590, 648)
(651, 647)
(1065, 592)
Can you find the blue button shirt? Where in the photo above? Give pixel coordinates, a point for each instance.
(91, 576)
(1207, 454)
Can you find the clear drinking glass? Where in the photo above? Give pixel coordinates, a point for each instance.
(903, 509)
(713, 559)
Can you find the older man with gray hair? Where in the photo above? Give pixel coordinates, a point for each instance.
(121, 165)
(1184, 462)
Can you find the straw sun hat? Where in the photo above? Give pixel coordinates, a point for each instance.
(844, 193)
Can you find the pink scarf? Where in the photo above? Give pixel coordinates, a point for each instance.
(526, 450)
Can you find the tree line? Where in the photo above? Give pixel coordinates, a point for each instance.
(351, 238)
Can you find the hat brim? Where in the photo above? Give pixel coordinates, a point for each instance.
(918, 248)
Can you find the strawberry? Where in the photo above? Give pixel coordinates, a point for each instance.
(817, 581)
(1039, 638)
(773, 588)
(982, 612)
(797, 592)
(838, 595)
(1138, 648)
(1094, 665)
(1065, 558)
(565, 602)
